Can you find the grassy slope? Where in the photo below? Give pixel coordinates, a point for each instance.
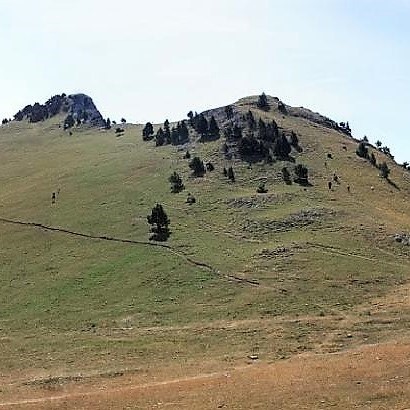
(71, 305)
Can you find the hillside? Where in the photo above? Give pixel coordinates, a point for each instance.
(300, 272)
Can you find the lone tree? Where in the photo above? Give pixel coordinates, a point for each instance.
(231, 174)
(159, 222)
(301, 173)
(384, 170)
(197, 167)
(148, 132)
(176, 183)
(263, 102)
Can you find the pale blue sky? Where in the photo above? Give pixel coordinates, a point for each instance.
(151, 60)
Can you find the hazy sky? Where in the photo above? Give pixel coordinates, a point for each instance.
(151, 60)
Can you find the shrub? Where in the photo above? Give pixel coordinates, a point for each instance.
(261, 188)
(190, 199)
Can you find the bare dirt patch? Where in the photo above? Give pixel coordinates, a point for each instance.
(371, 377)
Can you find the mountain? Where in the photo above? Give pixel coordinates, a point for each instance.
(290, 296)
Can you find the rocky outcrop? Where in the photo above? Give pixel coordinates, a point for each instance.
(80, 106)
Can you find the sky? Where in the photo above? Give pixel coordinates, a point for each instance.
(158, 59)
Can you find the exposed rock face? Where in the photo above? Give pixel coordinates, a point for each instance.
(80, 106)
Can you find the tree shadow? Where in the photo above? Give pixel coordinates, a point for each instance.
(393, 184)
(160, 236)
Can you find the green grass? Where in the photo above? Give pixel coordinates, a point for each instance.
(63, 298)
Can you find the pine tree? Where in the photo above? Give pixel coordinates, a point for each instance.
(286, 176)
(68, 122)
(159, 138)
(159, 222)
(384, 170)
(176, 183)
(372, 159)
(202, 126)
(229, 112)
(272, 131)
(231, 174)
(148, 132)
(167, 132)
(294, 141)
(262, 130)
(197, 167)
(250, 119)
(237, 132)
(301, 173)
(263, 102)
(282, 148)
(213, 127)
(362, 150)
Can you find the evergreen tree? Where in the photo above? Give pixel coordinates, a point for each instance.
(362, 150)
(167, 132)
(294, 141)
(202, 126)
(263, 102)
(286, 176)
(69, 121)
(378, 143)
(262, 130)
(183, 132)
(148, 132)
(384, 170)
(372, 159)
(160, 138)
(159, 222)
(282, 107)
(272, 131)
(301, 173)
(229, 112)
(190, 115)
(176, 183)
(237, 132)
(213, 127)
(231, 174)
(197, 167)
(250, 119)
(281, 147)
